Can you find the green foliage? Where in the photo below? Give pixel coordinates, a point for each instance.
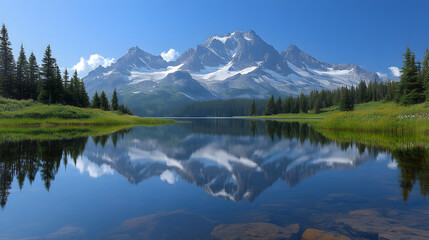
(346, 101)
(7, 65)
(270, 108)
(96, 101)
(252, 110)
(30, 113)
(279, 106)
(31, 90)
(411, 88)
(114, 100)
(104, 103)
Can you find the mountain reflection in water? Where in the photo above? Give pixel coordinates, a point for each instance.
(233, 159)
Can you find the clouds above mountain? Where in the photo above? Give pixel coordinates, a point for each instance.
(395, 71)
(170, 55)
(83, 67)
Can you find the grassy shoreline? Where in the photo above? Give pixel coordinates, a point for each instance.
(27, 113)
(367, 117)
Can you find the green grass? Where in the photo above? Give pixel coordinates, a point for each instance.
(372, 116)
(15, 113)
(381, 117)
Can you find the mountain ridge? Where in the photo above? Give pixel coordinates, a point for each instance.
(235, 65)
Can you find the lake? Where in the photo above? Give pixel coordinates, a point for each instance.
(212, 179)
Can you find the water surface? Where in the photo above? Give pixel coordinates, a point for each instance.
(211, 179)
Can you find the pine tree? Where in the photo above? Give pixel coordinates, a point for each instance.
(68, 94)
(48, 75)
(83, 95)
(317, 105)
(410, 89)
(271, 107)
(21, 75)
(287, 105)
(361, 92)
(96, 101)
(425, 73)
(346, 103)
(104, 103)
(115, 101)
(58, 93)
(252, 110)
(303, 103)
(7, 65)
(279, 107)
(32, 90)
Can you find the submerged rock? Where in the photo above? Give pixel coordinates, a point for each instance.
(254, 231)
(314, 234)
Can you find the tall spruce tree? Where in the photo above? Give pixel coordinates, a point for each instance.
(303, 103)
(104, 103)
(271, 106)
(96, 101)
(317, 105)
(58, 93)
(32, 90)
(7, 65)
(279, 107)
(346, 103)
(410, 88)
(48, 77)
(83, 95)
(252, 110)
(21, 75)
(425, 73)
(115, 100)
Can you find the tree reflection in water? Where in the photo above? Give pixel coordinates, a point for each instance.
(25, 159)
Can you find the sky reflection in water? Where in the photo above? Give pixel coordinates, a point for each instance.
(211, 179)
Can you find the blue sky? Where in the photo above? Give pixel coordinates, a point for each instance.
(373, 34)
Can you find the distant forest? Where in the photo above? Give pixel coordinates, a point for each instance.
(26, 79)
(413, 88)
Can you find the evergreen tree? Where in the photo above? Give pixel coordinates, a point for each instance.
(21, 75)
(271, 107)
(410, 89)
(303, 103)
(425, 73)
(48, 78)
(83, 95)
(279, 107)
(346, 103)
(115, 101)
(96, 101)
(361, 92)
(58, 88)
(32, 85)
(7, 65)
(317, 105)
(68, 92)
(252, 110)
(104, 103)
(287, 105)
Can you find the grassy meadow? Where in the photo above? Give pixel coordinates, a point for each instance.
(27, 113)
(371, 117)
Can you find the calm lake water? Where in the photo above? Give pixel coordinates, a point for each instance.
(212, 179)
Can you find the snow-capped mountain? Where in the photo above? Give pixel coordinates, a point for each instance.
(235, 65)
(228, 166)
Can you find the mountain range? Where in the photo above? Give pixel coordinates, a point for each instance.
(235, 65)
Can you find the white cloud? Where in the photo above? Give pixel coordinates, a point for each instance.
(170, 55)
(83, 164)
(169, 177)
(382, 75)
(395, 71)
(83, 67)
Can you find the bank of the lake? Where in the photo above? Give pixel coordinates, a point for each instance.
(371, 116)
(27, 113)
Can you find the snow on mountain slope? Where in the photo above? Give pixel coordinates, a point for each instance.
(235, 65)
